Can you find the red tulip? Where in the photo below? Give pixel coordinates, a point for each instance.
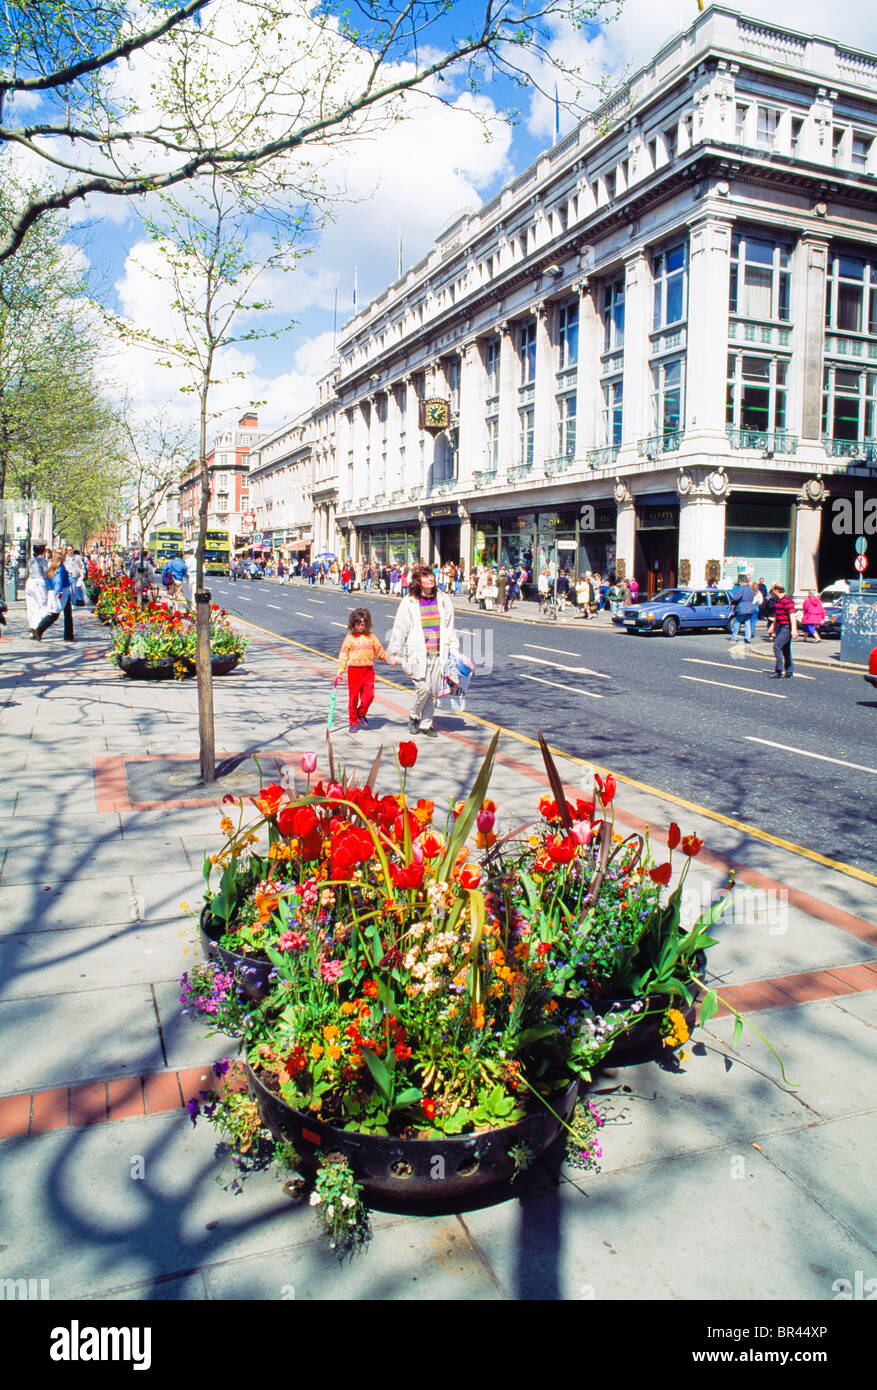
(661, 874)
(674, 835)
(691, 846)
(470, 877)
(431, 845)
(607, 788)
(407, 754)
(561, 851)
(410, 876)
(485, 820)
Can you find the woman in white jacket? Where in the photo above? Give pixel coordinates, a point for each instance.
(423, 637)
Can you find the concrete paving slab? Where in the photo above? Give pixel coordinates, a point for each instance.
(108, 859)
(831, 1053)
(785, 944)
(679, 1229)
(159, 896)
(59, 906)
(864, 1006)
(58, 1040)
(68, 962)
(186, 1041)
(834, 1163)
(73, 827)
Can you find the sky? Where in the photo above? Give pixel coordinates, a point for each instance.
(407, 181)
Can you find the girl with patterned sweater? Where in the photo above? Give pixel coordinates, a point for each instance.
(357, 657)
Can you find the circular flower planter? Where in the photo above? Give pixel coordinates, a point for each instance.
(253, 974)
(139, 669)
(414, 1169)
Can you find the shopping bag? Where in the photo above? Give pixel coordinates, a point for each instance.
(330, 718)
(451, 699)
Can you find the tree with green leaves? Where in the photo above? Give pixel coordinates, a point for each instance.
(207, 268)
(120, 100)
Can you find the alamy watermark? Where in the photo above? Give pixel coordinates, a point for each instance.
(854, 516)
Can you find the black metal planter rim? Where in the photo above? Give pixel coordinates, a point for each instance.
(417, 1170)
(253, 974)
(139, 669)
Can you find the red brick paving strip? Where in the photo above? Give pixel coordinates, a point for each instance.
(88, 1104)
(50, 1110)
(14, 1115)
(125, 1098)
(162, 1092)
(788, 990)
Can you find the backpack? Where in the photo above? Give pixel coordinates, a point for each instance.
(167, 575)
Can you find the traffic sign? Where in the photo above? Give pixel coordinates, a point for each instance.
(860, 563)
(861, 545)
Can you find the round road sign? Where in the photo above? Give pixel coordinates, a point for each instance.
(861, 545)
(861, 563)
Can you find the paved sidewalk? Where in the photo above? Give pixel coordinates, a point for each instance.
(717, 1182)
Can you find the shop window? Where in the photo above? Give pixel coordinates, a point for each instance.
(757, 388)
(668, 274)
(851, 295)
(567, 336)
(613, 316)
(849, 404)
(760, 278)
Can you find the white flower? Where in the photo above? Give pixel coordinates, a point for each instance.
(347, 1201)
(330, 1212)
(315, 1199)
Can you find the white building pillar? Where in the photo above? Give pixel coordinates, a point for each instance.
(543, 399)
(808, 530)
(637, 324)
(472, 433)
(702, 498)
(808, 310)
(707, 333)
(588, 401)
(625, 530)
(508, 400)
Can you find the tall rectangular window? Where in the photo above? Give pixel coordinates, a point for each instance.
(612, 411)
(567, 336)
(859, 151)
(760, 278)
(613, 316)
(740, 114)
(849, 404)
(757, 388)
(668, 384)
(566, 426)
(668, 274)
(491, 365)
(526, 435)
(766, 128)
(527, 352)
(492, 450)
(851, 295)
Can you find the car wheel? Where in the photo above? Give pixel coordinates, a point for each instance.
(670, 626)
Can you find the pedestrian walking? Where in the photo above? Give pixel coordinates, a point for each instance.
(140, 571)
(423, 638)
(58, 602)
(784, 627)
(812, 614)
(357, 658)
(188, 581)
(36, 592)
(743, 597)
(74, 566)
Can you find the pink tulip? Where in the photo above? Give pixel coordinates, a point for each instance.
(308, 762)
(485, 821)
(582, 832)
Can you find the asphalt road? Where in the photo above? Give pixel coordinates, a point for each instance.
(797, 758)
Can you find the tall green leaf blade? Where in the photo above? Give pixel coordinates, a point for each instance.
(465, 820)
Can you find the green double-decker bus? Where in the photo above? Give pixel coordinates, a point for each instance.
(165, 542)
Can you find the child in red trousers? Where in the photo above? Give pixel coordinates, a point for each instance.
(357, 657)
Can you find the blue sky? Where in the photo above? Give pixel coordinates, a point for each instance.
(412, 178)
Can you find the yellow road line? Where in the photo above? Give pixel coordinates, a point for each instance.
(754, 831)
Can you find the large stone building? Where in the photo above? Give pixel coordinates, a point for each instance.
(228, 465)
(654, 351)
(280, 484)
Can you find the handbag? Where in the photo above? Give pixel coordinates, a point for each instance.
(53, 602)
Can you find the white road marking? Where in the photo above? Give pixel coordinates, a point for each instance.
(802, 752)
(558, 685)
(557, 666)
(726, 685)
(316, 600)
(727, 666)
(344, 625)
(560, 651)
(298, 613)
(244, 600)
(275, 605)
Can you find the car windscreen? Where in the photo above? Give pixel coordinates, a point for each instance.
(671, 596)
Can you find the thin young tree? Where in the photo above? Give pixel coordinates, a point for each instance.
(234, 87)
(156, 449)
(207, 267)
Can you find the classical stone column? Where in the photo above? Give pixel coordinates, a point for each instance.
(808, 530)
(472, 433)
(588, 401)
(543, 400)
(465, 536)
(625, 529)
(809, 276)
(425, 539)
(637, 325)
(702, 498)
(707, 334)
(508, 400)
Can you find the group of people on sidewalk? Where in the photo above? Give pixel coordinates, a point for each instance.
(750, 599)
(55, 586)
(177, 576)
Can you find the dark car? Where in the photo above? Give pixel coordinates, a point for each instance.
(679, 610)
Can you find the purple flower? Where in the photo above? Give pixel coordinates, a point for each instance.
(221, 1067)
(194, 1110)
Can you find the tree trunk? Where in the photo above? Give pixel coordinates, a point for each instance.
(203, 666)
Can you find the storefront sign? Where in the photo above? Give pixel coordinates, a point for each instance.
(656, 518)
(439, 511)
